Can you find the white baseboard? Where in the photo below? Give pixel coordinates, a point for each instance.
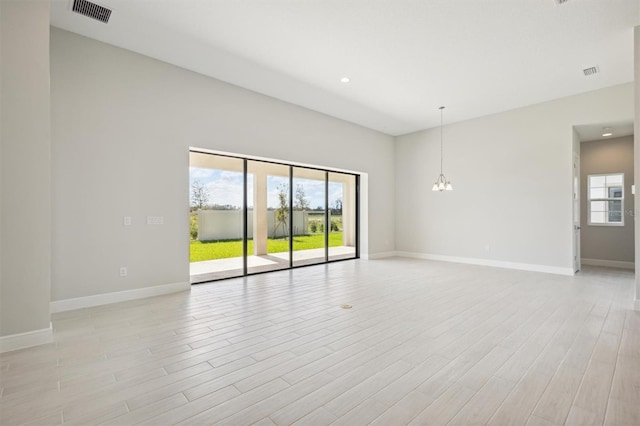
(608, 263)
(381, 255)
(14, 342)
(489, 262)
(118, 296)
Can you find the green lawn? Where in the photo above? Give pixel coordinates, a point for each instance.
(209, 250)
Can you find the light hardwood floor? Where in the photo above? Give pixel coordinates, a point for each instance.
(424, 343)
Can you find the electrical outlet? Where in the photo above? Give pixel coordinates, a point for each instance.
(123, 271)
(487, 247)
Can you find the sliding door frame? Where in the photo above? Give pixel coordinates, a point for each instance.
(327, 221)
(245, 221)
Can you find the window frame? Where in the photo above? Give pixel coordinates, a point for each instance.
(605, 199)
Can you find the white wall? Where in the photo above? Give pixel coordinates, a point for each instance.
(25, 169)
(512, 179)
(609, 243)
(122, 124)
(636, 150)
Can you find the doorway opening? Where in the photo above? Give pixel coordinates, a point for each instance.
(250, 216)
(604, 196)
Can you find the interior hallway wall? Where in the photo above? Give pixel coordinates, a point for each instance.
(608, 243)
(25, 170)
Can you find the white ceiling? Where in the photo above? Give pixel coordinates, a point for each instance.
(405, 58)
(594, 132)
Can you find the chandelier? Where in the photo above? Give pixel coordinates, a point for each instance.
(441, 184)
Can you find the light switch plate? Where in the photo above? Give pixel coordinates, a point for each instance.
(126, 221)
(155, 220)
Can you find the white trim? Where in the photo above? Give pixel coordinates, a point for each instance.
(14, 342)
(636, 305)
(609, 263)
(118, 296)
(381, 255)
(488, 262)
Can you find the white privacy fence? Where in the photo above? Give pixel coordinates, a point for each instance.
(227, 224)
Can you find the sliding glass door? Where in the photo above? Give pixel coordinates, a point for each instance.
(268, 217)
(342, 216)
(309, 216)
(216, 223)
(249, 216)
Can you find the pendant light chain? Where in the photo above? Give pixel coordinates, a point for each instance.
(441, 139)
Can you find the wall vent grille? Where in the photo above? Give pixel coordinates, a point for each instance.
(560, 2)
(590, 71)
(92, 10)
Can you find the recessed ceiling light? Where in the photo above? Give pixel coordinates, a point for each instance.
(606, 131)
(345, 79)
(607, 134)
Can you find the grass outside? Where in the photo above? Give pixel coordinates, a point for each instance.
(315, 223)
(210, 250)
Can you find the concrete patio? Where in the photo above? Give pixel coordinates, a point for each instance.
(210, 270)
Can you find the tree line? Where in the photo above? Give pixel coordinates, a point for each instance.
(200, 201)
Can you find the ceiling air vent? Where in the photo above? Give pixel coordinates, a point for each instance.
(92, 10)
(590, 71)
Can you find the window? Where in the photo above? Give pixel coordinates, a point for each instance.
(606, 199)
